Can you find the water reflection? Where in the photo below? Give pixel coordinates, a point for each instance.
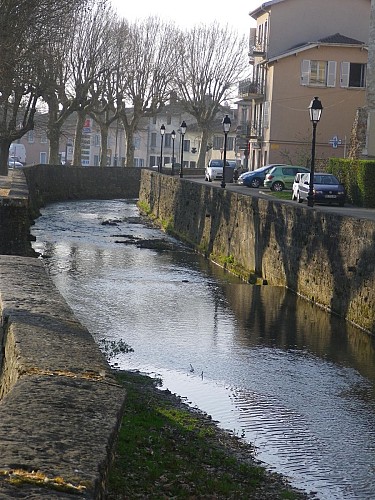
(294, 380)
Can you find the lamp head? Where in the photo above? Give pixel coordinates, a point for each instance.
(173, 135)
(162, 130)
(315, 110)
(226, 124)
(183, 127)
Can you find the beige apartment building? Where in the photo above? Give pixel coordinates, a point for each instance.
(299, 50)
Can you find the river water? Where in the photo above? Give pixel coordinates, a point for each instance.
(267, 365)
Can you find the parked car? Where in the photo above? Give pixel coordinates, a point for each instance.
(255, 178)
(214, 171)
(12, 163)
(327, 189)
(295, 186)
(282, 177)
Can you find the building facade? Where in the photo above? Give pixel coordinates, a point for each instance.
(300, 50)
(147, 143)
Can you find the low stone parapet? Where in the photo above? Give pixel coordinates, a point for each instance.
(60, 407)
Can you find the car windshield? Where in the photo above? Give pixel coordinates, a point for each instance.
(325, 179)
(219, 163)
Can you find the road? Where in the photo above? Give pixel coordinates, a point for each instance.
(347, 210)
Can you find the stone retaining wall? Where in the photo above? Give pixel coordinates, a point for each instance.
(48, 183)
(326, 258)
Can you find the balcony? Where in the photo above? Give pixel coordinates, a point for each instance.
(250, 89)
(247, 131)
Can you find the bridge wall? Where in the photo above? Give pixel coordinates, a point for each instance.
(328, 259)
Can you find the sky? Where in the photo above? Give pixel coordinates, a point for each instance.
(235, 13)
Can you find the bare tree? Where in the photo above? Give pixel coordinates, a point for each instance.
(89, 62)
(210, 60)
(26, 27)
(146, 72)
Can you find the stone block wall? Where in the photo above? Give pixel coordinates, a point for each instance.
(60, 406)
(327, 258)
(48, 183)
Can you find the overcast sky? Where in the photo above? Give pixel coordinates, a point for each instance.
(186, 14)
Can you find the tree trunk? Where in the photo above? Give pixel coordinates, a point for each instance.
(53, 132)
(77, 154)
(203, 149)
(4, 155)
(129, 131)
(104, 141)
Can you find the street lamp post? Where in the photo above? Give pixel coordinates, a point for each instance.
(315, 110)
(183, 131)
(173, 136)
(226, 127)
(162, 132)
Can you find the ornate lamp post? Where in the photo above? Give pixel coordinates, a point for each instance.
(226, 127)
(173, 136)
(315, 110)
(183, 131)
(162, 132)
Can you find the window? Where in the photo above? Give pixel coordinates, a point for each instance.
(137, 143)
(139, 162)
(154, 120)
(152, 161)
(167, 140)
(43, 138)
(43, 158)
(230, 143)
(153, 139)
(186, 145)
(30, 136)
(97, 140)
(169, 120)
(318, 73)
(218, 142)
(353, 75)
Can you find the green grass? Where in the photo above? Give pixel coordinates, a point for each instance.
(166, 450)
(282, 195)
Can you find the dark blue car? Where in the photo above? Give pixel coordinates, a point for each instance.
(255, 178)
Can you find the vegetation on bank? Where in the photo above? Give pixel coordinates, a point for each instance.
(167, 450)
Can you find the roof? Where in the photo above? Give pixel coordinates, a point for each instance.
(336, 39)
(262, 8)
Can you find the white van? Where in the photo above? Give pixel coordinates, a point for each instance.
(17, 152)
(214, 171)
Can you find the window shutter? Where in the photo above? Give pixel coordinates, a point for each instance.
(266, 114)
(331, 77)
(305, 72)
(345, 72)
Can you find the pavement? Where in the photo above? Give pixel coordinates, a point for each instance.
(347, 211)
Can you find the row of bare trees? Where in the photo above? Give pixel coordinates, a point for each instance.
(79, 57)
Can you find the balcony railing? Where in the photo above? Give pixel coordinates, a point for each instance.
(249, 88)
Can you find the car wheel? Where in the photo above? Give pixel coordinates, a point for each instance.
(299, 199)
(255, 183)
(277, 186)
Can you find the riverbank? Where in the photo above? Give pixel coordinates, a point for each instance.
(168, 450)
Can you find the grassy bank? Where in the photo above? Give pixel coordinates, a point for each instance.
(168, 450)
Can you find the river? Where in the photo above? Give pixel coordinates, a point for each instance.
(293, 380)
